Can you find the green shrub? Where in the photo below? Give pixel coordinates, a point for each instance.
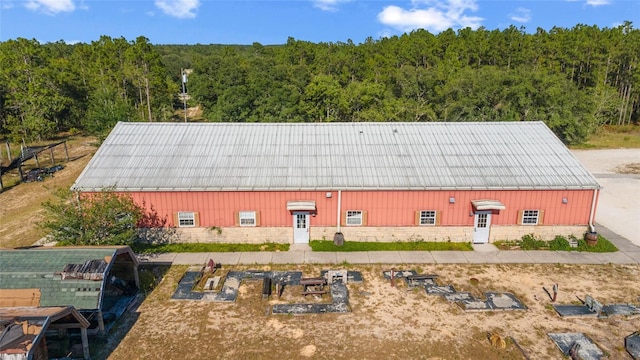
(560, 244)
(529, 242)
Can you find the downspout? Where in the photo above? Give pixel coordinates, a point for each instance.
(339, 208)
(593, 209)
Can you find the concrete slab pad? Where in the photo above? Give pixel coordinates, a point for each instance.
(474, 257)
(185, 286)
(339, 304)
(449, 257)
(225, 258)
(398, 273)
(625, 245)
(474, 305)
(619, 310)
(620, 242)
(459, 296)
(157, 258)
(618, 208)
(575, 257)
(320, 257)
(288, 257)
(632, 344)
(514, 257)
(385, 257)
(191, 259)
(255, 258)
(635, 255)
(504, 301)
(416, 257)
(486, 247)
(299, 247)
(440, 289)
(545, 257)
(573, 310)
(586, 349)
(355, 257)
(614, 258)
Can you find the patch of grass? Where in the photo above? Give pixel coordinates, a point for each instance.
(219, 247)
(559, 243)
(323, 245)
(602, 246)
(613, 137)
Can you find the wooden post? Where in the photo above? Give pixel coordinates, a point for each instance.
(20, 171)
(100, 322)
(266, 288)
(53, 161)
(65, 150)
(8, 151)
(136, 277)
(35, 156)
(392, 281)
(85, 343)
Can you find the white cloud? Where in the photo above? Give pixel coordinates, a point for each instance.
(328, 5)
(433, 15)
(521, 15)
(598, 2)
(182, 9)
(50, 7)
(592, 2)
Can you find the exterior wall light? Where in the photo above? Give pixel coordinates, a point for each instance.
(328, 195)
(452, 200)
(565, 200)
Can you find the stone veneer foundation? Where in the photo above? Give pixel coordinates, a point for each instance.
(284, 235)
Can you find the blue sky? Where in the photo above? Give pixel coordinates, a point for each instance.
(273, 21)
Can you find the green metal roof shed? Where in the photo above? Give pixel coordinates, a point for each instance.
(87, 278)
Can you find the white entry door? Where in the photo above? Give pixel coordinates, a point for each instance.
(481, 225)
(300, 227)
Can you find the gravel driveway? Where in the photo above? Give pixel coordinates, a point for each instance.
(619, 203)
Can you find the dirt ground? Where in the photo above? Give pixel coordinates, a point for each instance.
(20, 203)
(385, 322)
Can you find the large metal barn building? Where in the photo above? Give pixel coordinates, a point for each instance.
(292, 182)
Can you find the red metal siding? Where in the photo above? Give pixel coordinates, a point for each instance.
(384, 208)
(219, 208)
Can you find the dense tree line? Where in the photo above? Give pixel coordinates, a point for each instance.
(54, 87)
(573, 79)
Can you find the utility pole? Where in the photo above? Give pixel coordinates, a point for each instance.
(184, 93)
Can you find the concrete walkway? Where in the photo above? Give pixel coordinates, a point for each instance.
(628, 253)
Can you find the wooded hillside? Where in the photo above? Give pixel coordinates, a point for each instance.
(573, 79)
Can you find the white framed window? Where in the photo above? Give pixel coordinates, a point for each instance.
(427, 217)
(354, 217)
(247, 218)
(186, 219)
(530, 217)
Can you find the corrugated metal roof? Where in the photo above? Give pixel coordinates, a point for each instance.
(324, 156)
(36, 269)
